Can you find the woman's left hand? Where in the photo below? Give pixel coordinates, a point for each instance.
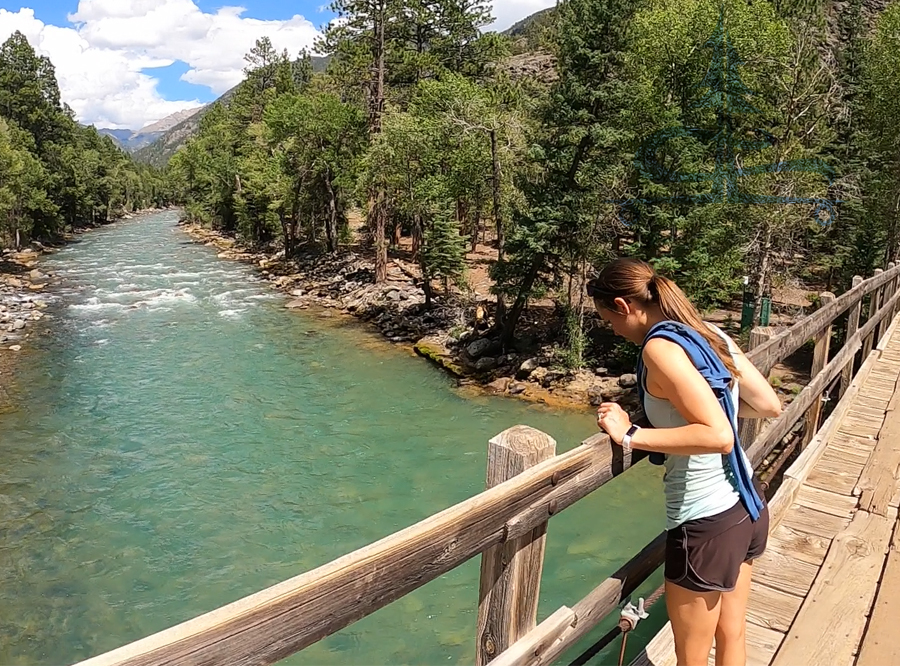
(613, 419)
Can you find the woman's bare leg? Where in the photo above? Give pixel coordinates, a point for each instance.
(694, 617)
(731, 641)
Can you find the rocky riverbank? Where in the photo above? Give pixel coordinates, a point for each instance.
(22, 306)
(450, 333)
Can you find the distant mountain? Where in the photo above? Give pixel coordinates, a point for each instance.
(160, 150)
(133, 140)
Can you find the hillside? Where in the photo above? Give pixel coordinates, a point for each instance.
(167, 142)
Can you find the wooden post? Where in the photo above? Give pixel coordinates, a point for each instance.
(511, 571)
(887, 290)
(896, 308)
(874, 306)
(748, 429)
(852, 326)
(886, 294)
(820, 360)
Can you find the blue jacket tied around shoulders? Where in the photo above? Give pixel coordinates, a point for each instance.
(708, 363)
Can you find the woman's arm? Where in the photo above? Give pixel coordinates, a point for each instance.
(758, 398)
(672, 373)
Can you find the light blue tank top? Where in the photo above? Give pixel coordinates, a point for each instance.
(696, 486)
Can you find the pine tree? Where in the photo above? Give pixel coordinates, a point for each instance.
(579, 148)
(444, 254)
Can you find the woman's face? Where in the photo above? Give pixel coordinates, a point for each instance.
(625, 320)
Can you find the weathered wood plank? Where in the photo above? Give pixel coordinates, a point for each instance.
(838, 483)
(879, 477)
(836, 453)
(770, 608)
(833, 616)
(660, 651)
(814, 522)
(536, 642)
(838, 465)
(802, 546)
(511, 571)
(785, 572)
(825, 501)
(761, 645)
(881, 643)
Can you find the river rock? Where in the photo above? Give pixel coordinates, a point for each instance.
(528, 367)
(516, 388)
(628, 381)
(539, 375)
(18, 325)
(613, 393)
(601, 372)
(16, 348)
(479, 348)
(485, 364)
(595, 395)
(499, 385)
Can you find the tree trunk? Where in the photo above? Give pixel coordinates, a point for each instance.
(511, 321)
(331, 221)
(498, 209)
(476, 225)
(376, 215)
(376, 107)
(417, 237)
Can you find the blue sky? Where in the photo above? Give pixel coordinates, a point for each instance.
(129, 63)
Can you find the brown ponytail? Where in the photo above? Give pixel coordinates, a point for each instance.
(636, 280)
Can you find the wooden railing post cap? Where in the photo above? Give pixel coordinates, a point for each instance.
(524, 440)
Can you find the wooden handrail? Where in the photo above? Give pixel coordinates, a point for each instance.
(775, 431)
(276, 622)
(786, 343)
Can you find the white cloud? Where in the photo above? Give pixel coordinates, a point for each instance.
(99, 58)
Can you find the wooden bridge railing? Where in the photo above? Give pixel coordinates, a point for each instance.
(527, 484)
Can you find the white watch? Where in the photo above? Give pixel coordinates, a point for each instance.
(626, 440)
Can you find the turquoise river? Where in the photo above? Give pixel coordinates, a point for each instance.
(179, 440)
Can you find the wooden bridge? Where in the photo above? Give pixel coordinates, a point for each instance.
(824, 593)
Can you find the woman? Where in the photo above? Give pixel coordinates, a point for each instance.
(714, 530)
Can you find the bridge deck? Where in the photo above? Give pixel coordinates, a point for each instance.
(827, 591)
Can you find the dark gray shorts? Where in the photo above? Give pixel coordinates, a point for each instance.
(705, 555)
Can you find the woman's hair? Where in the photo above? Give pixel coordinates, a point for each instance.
(635, 280)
